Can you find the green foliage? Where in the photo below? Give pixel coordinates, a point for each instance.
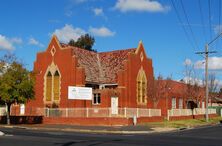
(85, 42)
(16, 85)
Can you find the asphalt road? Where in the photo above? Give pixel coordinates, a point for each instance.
(207, 136)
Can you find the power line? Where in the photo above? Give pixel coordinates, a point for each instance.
(191, 30)
(202, 20)
(219, 13)
(219, 19)
(209, 10)
(184, 29)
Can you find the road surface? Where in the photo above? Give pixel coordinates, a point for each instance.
(207, 136)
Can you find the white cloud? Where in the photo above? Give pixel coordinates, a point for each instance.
(140, 5)
(6, 43)
(214, 63)
(193, 81)
(187, 62)
(79, 1)
(33, 41)
(16, 40)
(68, 13)
(217, 29)
(102, 32)
(98, 11)
(68, 32)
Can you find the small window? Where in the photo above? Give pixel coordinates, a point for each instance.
(96, 98)
(181, 103)
(203, 104)
(174, 105)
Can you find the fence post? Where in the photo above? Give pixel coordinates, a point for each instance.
(149, 113)
(87, 112)
(67, 112)
(137, 112)
(109, 112)
(168, 115)
(125, 112)
(47, 112)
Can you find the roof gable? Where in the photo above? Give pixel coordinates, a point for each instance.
(141, 51)
(54, 44)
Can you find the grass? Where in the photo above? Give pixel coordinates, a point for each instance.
(184, 123)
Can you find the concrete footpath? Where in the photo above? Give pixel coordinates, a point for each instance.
(139, 129)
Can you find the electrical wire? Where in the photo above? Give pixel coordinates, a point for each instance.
(202, 20)
(184, 29)
(190, 28)
(209, 10)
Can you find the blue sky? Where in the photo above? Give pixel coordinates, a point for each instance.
(27, 26)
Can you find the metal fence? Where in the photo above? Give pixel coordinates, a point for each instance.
(98, 112)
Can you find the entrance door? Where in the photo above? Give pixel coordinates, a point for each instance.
(114, 105)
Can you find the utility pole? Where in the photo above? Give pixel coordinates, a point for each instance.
(206, 52)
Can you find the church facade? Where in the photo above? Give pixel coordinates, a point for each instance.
(118, 78)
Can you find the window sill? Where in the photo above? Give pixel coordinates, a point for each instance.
(96, 104)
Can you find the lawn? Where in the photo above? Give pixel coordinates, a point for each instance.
(184, 123)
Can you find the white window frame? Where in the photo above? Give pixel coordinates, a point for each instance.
(180, 103)
(96, 96)
(203, 104)
(174, 103)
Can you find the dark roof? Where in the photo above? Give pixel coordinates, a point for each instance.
(100, 67)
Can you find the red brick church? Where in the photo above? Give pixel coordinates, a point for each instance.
(118, 78)
(121, 82)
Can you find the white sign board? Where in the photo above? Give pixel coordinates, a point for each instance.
(22, 109)
(80, 93)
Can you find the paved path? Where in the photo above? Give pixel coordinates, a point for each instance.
(93, 129)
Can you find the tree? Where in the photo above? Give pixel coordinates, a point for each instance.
(84, 41)
(213, 84)
(158, 89)
(16, 85)
(193, 89)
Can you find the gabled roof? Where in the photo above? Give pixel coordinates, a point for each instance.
(100, 67)
(177, 88)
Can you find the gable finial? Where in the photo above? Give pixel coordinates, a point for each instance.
(140, 44)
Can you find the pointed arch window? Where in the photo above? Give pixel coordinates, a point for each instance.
(141, 87)
(52, 85)
(49, 86)
(56, 86)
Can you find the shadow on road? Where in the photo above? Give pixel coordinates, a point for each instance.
(95, 142)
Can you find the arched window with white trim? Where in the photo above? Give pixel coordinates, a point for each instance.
(56, 86)
(141, 87)
(48, 87)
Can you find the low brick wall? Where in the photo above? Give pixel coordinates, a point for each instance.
(149, 119)
(22, 119)
(191, 117)
(100, 121)
(87, 121)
